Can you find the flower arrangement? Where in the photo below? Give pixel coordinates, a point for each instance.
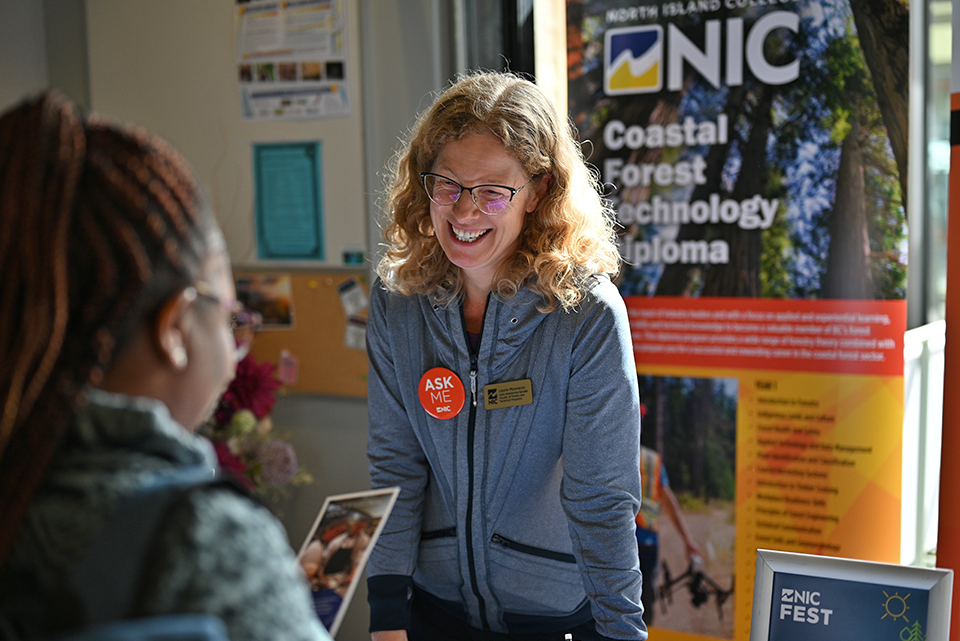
(241, 431)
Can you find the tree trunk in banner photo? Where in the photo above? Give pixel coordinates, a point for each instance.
(884, 28)
(741, 276)
(848, 272)
(681, 279)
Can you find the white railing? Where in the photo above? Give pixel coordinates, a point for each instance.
(923, 358)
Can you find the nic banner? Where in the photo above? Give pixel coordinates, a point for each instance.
(755, 155)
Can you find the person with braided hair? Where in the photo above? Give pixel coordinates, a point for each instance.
(116, 312)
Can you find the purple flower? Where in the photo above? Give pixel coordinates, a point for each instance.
(278, 462)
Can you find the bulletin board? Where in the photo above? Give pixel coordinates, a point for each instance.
(317, 337)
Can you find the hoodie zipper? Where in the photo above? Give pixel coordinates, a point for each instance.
(543, 553)
(471, 439)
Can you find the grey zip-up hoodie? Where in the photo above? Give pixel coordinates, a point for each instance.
(517, 515)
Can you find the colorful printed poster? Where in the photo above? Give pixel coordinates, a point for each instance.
(755, 155)
(291, 59)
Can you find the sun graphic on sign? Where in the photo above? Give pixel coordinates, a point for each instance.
(895, 606)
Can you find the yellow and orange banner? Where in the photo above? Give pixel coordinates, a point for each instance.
(817, 453)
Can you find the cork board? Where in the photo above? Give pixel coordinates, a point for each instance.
(316, 334)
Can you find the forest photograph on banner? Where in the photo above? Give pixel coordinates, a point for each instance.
(754, 153)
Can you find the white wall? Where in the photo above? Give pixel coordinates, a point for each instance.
(65, 29)
(407, 55)
(23, 58)
(42, 44)
(171, 67)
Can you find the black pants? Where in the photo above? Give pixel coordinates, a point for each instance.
(432, 623)
(649, 567)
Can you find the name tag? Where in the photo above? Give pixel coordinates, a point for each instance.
(508, 394)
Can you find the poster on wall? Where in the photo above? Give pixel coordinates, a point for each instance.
(288, 200)
(755, 156)
(291, 59)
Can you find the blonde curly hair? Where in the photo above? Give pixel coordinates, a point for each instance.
(569, 237)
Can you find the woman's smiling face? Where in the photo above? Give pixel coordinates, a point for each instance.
(477, 242)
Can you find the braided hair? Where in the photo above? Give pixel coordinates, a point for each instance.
(99, 225)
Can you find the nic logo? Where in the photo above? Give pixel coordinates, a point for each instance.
(633, 60)
(803, 606)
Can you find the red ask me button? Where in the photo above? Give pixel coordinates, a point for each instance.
(441, 393)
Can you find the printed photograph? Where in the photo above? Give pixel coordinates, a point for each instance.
(288, 71)
(266, 72)
(334, 70)
(311, 71)
(687, 523)
(337, 547)
(269, 294)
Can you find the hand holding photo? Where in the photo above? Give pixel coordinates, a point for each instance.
(337, 547)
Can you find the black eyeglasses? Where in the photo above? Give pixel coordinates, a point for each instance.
(490, 199)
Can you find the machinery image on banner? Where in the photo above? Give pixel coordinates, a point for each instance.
(754, 153)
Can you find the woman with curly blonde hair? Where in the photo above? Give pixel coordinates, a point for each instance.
(503, 392)
(565, 240)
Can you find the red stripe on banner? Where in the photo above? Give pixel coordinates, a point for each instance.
(835, 336)
(948, 535)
